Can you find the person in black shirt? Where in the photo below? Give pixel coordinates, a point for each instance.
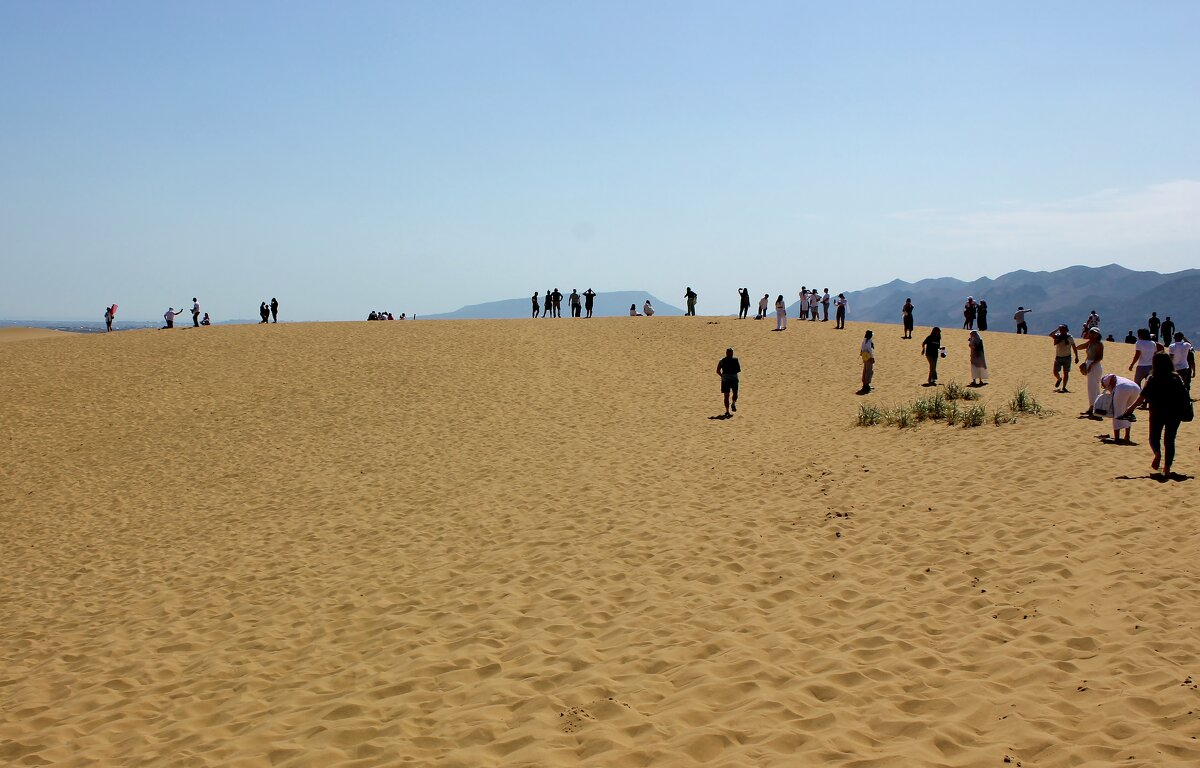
(589, 296)
(728, 369)
(906, 313)
(549, 305)
(931, 348)
(1166, 331)
(1169, 400)
(536, 304)
(1153, 324)
(557, 303)
(274, 310)
(690, 296)
(743, 303)
(981, 315)
(574, 302)
(1130, 338)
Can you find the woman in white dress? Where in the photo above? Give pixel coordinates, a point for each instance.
(1092, 366)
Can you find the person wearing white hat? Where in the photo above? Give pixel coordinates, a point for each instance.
(1092, 367)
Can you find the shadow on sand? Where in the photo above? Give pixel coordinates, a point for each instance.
(1158, 477)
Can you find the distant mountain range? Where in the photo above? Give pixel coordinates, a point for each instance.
(608, 304)
(1123, 297)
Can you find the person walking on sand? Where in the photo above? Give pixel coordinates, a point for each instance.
(1153, 324)
(1169, 400)
(1143, 352)
(1184, 359)
(1092, 367)
(1167, 330)
(981, 316)
(690, 296)
(195, 313)
(728, 369)
(169, 317)
(743, 303)
(536, 304)
(867, 351)
(1124, 394)
(576, 304)
(763, 303)
(932, 348)
(274, 310)
(906, 315)
(969, 310)
(979, 369)
(589, 298)
(1019, 316)
(1064, 347)
(840, 312)
(109, 314)
(780, 314)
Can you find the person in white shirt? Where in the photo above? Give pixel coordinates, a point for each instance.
(1019, 316)
(1124, 394)
(780, 314)
(648, 308)
(840, 311)
(195, 313)
(1183, 357)
(814, 306)
(763, 303)
(169, 316)
(867, 350)
(633, 311)
(1143, 352)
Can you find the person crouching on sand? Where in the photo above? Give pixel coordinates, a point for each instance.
(648, 309)
(728, 369)
(1125, 394)
(867, 350)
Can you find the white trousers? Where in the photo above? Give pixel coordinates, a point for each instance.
(780, 319)
(1094, 374)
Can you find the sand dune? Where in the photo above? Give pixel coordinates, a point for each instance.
(24, 334)
(526, 543)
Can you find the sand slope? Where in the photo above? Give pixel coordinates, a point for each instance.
(24, 334)
(526, 543)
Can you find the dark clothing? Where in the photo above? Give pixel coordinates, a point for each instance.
(691, 303)
(981, 317)
(1167, 329)
(588, 298)
(1153, 324)
(536, 308)
(932, 348)
(274, 311)
(1131, 339)
(1022, 327)
(729, 368)
(1166, 397)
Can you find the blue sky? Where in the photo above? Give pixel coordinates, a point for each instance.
(420, 156)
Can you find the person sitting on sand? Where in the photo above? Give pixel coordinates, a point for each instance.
(867, 350)
(1092, 366)
(979, 369)
(1124, 394)
(932, 348)
(648, 308)
(633, 311)
(728, 369)
(1168, 399)
(1064, 346)
(206, 321)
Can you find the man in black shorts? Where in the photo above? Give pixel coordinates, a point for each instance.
(1064, 347)
(728, 369)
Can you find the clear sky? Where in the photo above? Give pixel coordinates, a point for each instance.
(417, 156)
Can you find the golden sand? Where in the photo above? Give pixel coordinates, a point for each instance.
(526, 543)
(24, 334)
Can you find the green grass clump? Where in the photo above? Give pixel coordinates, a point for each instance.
(956, 391)
(901, 416)
(869, 415)
(952, 413)
(1023, 401)
(1002, 416)
(974, 416)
